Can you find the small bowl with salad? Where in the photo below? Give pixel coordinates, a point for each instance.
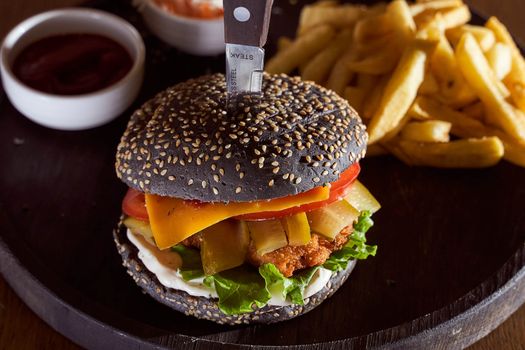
(192, 26)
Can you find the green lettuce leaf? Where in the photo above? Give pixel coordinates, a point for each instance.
(191, 262)
(356, 247)
(290, 288)
(239, 289)
(242, 289)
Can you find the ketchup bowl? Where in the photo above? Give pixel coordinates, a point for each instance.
(80, 99)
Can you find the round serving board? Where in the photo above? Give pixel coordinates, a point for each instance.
(450, 265)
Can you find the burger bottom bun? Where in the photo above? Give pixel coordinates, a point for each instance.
(208, 309)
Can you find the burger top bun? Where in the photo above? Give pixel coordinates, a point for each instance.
(189, 143)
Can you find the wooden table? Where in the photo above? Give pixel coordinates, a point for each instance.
(21, 329)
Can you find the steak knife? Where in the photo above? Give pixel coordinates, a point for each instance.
(246, 25)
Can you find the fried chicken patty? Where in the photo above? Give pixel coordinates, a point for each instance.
(289, 259)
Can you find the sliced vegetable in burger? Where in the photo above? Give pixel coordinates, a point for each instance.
(246, 215)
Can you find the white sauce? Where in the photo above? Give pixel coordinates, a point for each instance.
(165, 264)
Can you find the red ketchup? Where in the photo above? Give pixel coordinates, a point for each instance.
(72, 64)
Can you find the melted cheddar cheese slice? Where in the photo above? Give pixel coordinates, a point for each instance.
(173, 220)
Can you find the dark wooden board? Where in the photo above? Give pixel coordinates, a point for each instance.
(450, 266)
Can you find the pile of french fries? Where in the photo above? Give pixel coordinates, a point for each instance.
(432, 89)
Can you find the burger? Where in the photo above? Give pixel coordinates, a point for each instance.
(243, 210)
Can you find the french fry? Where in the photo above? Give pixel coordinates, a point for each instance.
(355, 97)
(484, 36)
(517, 90)
(451, 18)
(283, 43)
(454, 90)
(516, 79)
(427, 131)
(367, 81)
(374, 98)
(503, 36)
(475, 111)
(467, 153)
(483, 81)
(338, 17)
(341, 75)
(373, 27)
(401, 90)
(371, 47)
(365, 84)
(417, 113)
(429, 86)
(500, 60)
(301, 50)
(464, 126)
(381, 62)
(438, 5)
(456, 17)
(319, 67)
(402, 18)
(388, 55)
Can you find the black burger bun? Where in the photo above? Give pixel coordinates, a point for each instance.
(208, 309)
(186, 143)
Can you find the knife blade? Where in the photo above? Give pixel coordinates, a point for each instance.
(246, 25)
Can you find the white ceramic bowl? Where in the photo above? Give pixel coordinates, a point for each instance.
(203, 37)
(72, 112)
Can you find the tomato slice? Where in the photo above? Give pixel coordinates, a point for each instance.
(134, 204)
(338, 190)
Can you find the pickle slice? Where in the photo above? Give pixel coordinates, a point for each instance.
(224, 246)
(139, 227)
(297, 229)
(268, 235)
(332, 219)
(361, 199)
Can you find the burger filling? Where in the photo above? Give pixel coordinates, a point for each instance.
(246, 253)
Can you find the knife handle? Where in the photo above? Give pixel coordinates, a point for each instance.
(246, 22)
